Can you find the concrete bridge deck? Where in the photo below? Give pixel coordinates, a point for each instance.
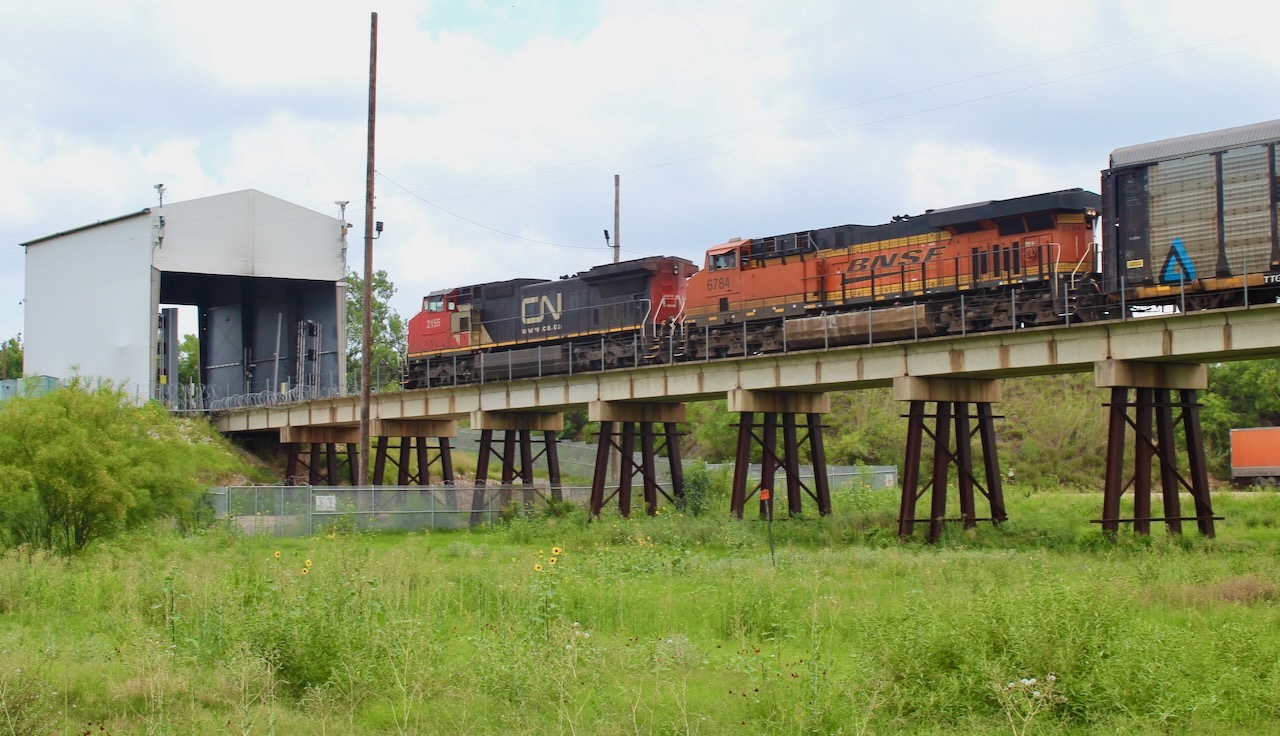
(1198, 337)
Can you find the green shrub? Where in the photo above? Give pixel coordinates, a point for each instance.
(83, 462)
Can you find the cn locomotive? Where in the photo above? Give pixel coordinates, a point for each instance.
(1187, 223)
(612, 315)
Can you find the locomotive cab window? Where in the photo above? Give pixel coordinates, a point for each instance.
(723, 261)
(434, 304)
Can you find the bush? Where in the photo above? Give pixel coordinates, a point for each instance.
(84, 462)
(697, 490)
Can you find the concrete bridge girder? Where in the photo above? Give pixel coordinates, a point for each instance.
(1198, 337)
(1151, 354)
(1139, 374)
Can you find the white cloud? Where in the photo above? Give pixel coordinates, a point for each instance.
(724, 118)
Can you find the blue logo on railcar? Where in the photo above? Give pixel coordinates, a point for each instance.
(1177, 265)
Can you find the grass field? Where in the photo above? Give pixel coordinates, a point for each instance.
(671, 625)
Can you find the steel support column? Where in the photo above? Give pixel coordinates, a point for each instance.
(625, 427)
(479, 497)
(320, 462)
(1155, 416)
(779, 410)
(1142, 399)
(516, 454)
(413, 458)
(956, 404)
(655, 440)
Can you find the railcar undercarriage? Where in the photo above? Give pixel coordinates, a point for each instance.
(979, 310)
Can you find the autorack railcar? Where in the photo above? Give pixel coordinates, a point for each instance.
(1195, 217)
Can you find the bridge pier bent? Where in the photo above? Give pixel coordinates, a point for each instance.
(788, 409)
(620, 424)
(413, 456)
(951, 399)
(1142, 396)
(515, 453)
(324, 454)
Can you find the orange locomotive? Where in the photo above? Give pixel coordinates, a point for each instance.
(982, 266)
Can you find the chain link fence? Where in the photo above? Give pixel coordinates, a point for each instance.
(298, 511)
(856, 477)
(295, 511)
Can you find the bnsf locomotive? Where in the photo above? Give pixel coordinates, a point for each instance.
(1187, 223)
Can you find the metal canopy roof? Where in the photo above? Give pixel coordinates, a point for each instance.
(82, 228)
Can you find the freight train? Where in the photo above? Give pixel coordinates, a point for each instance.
(1187, 223)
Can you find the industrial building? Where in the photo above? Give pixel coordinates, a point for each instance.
(265, 276)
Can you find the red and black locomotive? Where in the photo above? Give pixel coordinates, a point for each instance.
(612, 315)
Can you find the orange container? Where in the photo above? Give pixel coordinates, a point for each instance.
(1255, 452)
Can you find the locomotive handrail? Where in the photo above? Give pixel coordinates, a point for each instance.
(648, 310)
(1087, 253)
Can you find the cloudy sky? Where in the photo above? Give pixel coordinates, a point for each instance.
(502, 124)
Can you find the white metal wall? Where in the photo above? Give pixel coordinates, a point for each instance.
(248, 233)
(89, 307)
(93, 294)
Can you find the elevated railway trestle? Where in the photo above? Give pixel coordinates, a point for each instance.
(1151, 369)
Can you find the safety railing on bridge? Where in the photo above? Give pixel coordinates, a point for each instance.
(1018, 307)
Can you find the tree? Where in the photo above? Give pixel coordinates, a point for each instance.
(82, 462)
(711, 434)
(189, 360)
(389, 336)
(1241, 394)
(11, 356)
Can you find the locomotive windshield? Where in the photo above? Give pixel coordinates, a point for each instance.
(436, 301)
(721, 261)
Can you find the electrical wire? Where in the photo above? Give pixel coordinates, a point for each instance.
(494, 229)
(781, 121)
(841, 129)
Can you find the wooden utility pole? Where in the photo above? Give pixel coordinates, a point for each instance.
(617, 234)
(615, 454)
(366, 346)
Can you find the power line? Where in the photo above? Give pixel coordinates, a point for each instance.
(855, 126)
(757, 126)
(493, 229)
